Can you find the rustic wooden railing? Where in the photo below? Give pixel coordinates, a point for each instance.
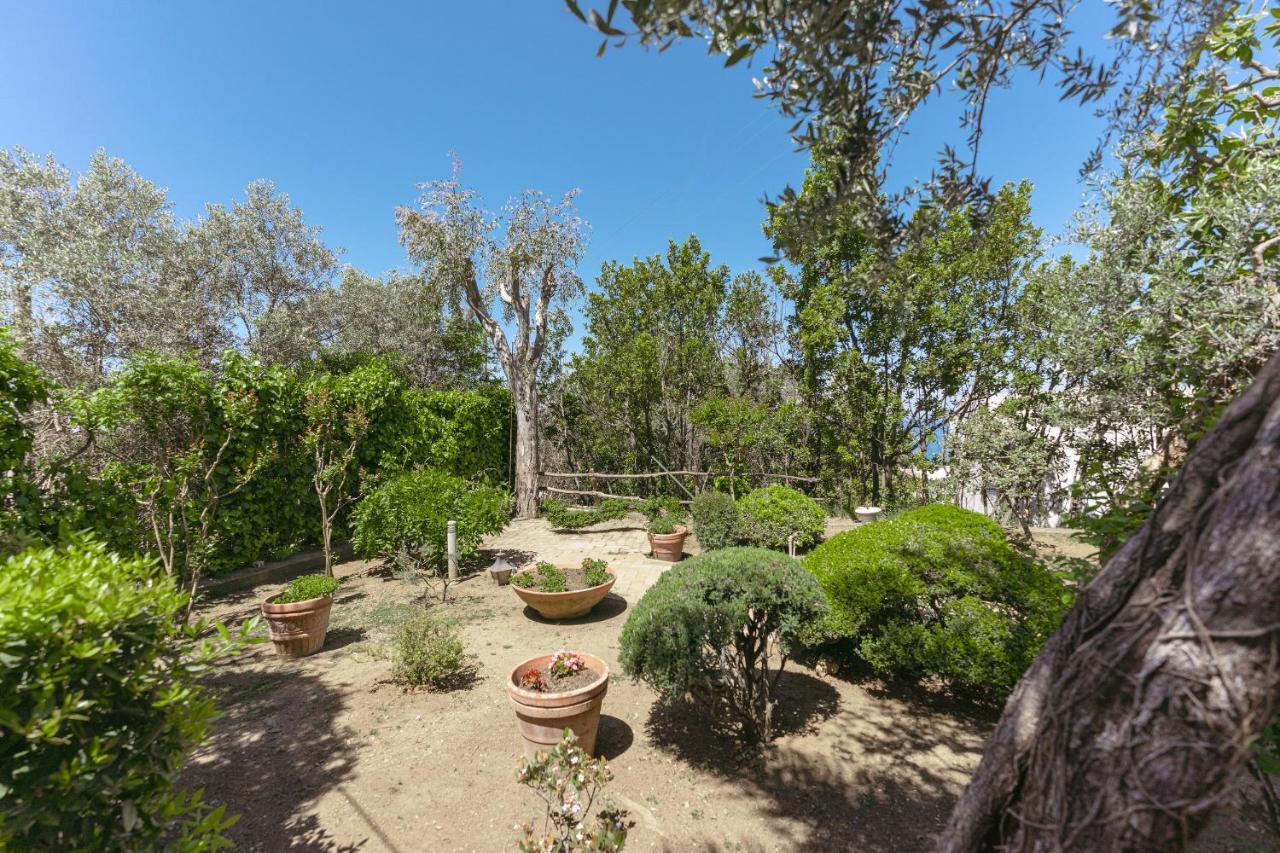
(704, 476)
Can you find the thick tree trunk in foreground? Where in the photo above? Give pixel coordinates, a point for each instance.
(526, 485)
(1137, 715)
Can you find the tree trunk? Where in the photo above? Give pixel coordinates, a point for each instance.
(1137, 716)
(526, 485)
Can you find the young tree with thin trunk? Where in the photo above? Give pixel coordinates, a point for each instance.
(332, 436)
(513, 271)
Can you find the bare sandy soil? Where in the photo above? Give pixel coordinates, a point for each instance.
(325, 754)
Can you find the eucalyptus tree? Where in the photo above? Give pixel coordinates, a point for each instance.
(516, 268)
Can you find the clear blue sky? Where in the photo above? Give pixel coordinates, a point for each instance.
(347, 106)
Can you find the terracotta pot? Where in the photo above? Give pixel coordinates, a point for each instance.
(298, 629)
(668, 546)
(564, 605)
(543, 717)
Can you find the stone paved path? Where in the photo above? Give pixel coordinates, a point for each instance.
(624, 544)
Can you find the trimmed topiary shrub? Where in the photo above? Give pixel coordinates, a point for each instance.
(100, 705)
(708, 627)
(409, 515)
(768, 517)
(560, 516)
(938, 591)
(715, 520)
(428, 652)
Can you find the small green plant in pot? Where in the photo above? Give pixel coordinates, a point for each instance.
(298, 617)
(666, 533)
(563, 592)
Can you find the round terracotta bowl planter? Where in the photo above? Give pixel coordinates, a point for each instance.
(668, 546)
(564, 605)
(298, 629)
(543, 717)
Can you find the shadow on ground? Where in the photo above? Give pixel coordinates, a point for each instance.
(610, 606)
(272, 775)
(867, 788)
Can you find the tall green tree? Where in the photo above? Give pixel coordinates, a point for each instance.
(896, 340)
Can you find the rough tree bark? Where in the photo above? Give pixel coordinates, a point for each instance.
(1136, 717)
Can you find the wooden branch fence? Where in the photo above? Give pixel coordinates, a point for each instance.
(592, 476)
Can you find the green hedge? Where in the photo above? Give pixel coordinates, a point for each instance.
(465, 433)
(938, 591)
(99, 705)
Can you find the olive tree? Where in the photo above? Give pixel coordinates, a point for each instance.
(513, 271)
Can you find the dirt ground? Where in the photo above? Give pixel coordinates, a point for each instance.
(325, 754)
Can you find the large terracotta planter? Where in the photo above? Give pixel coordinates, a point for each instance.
(668, 546)
(543, 717)
(298, 629)
(564, 605)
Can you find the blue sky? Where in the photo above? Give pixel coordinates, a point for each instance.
(348, 106)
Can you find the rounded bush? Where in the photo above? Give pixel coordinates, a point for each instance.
(715, 520)
(427, 652)
(410, 513)
(938, 591)
(99, 704)
(707, 628)
(769, 516)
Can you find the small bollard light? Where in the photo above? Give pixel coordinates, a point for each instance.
(500, 571)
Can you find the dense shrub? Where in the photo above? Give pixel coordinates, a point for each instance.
(938, 591)
(715, 520)
(99, 704)
(707, 629)
(559, 515)
(428, 652)
(410, 512)
(769, 516)
(305, 588)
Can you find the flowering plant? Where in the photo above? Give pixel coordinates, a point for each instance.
(533, 680)
(568, 781)
(564, 664)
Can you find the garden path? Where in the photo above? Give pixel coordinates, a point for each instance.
(624, 544)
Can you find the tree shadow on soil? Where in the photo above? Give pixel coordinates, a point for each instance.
(276, 750)
(887, 786)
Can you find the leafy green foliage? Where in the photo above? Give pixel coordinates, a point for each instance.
(938, 591)
(100, 704)
(596, 571)
(21, 387)
(664, 525)
(409, 513)
(715, 520)
(545, 577)
(305, 588)
(560, 516)
(428, 652)
(769, 516)
(708, 627)
(568, 781)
